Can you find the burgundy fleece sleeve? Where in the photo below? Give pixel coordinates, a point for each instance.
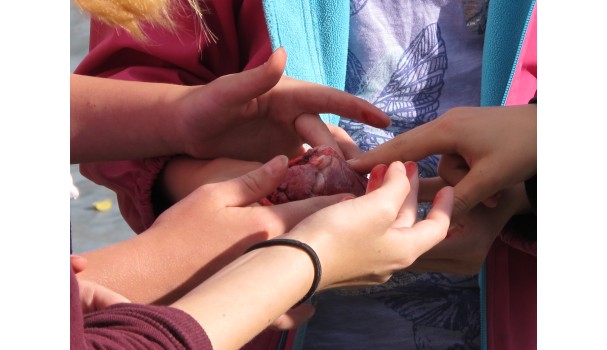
(133, 326)
(175, 57)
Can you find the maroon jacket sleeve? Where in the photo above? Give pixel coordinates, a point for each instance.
(132, 326)
(178, 57)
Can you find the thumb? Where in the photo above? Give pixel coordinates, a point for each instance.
(478, 184)
(242, 87)
(256, 184)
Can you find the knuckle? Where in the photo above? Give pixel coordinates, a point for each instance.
(460, 205)
(252, 183)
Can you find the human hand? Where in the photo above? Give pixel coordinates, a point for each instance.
(484, 150)
(346, 146)
(366, 239)
(469, 240)
(93, 296)
(259, 113)
(359, 241)
(183, 174)
(224, 217)
(78, 263)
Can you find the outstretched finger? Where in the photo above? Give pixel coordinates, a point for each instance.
(318, 99)
(412, 145)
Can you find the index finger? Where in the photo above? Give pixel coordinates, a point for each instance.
(317, 99)
(412, 145)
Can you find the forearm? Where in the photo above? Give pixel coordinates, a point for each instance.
(244, 298)
(118, 120)
(159, 266)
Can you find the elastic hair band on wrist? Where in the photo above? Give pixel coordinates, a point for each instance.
(304, 247)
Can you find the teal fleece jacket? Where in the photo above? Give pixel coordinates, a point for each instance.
(315, 35)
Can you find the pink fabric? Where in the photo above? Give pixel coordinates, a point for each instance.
(511, 265)
(524, 84)
(243, 43)
(132, 181)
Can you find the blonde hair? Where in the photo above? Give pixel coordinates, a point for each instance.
(132, 14)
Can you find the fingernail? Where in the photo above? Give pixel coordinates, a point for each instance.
(374, 119)
(277, 164)
(411, 168)
(376, 177)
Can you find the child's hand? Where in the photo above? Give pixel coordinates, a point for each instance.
(93, 296)
(484, 150)
(366, 239)
(259, 113)
(469, 240)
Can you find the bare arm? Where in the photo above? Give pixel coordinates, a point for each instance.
(233, 116)
(113, 119)
(484, 150)
(359, 241)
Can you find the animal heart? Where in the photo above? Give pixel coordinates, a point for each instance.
(319, 172)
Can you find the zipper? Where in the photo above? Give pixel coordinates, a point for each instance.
(482, 276)
(518, 52)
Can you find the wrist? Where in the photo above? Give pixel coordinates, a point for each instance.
(286, 242)
(174, 108)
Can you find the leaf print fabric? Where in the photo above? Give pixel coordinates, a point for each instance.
(414, 60)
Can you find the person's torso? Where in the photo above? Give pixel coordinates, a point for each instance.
(414, 60)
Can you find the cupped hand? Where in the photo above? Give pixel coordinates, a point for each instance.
(226, 207)
(259, 113)
(484, 150)
(224, 214)
(366, 239)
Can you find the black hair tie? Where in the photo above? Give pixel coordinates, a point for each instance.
(306, 248)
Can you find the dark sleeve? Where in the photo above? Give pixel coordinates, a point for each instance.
(133, 326)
